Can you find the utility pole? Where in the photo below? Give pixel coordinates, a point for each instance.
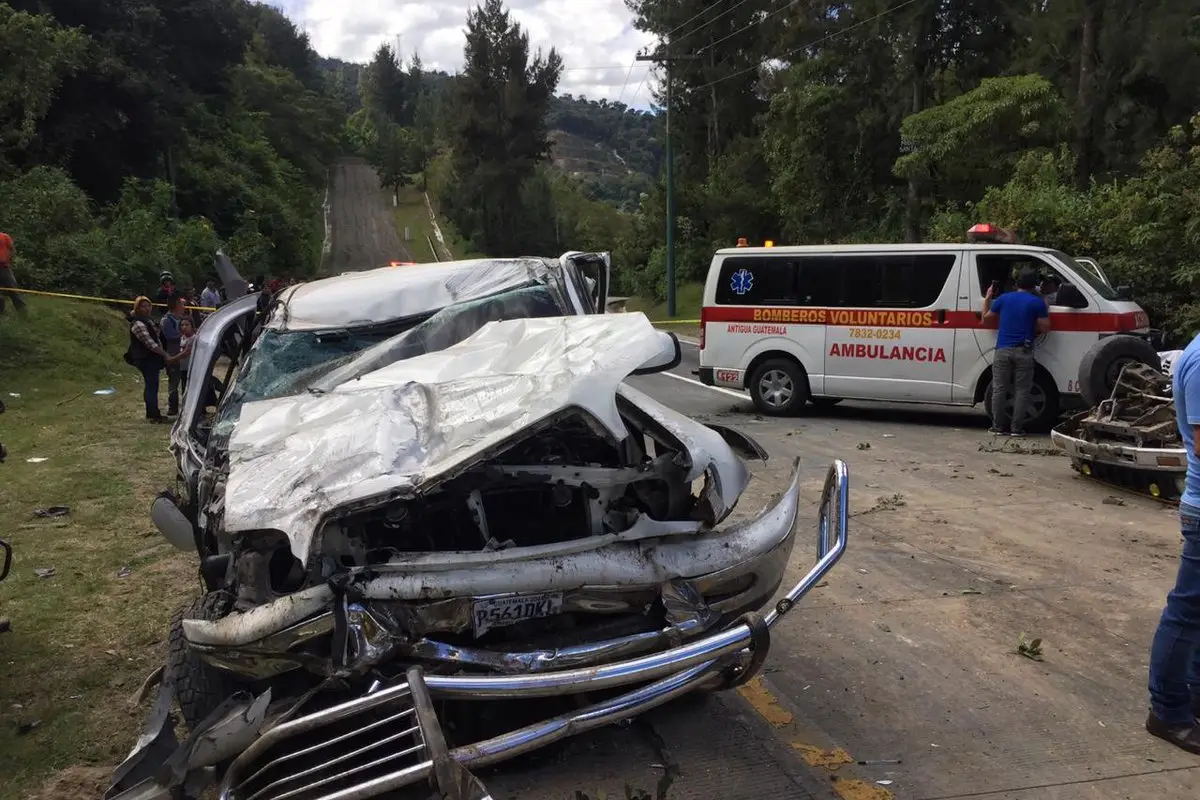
(665, 58)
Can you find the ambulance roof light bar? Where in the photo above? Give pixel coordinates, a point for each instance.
(986, 232)
(743, 242)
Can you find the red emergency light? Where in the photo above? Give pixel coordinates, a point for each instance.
(401, 263)
(987, 232)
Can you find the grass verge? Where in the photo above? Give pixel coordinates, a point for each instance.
(689, 297)
(413, 215)
(83, 640)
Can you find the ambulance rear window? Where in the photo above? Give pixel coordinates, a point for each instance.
(866, 280)
(760, 281)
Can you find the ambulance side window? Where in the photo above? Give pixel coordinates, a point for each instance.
(763, 281)
(1004, 269)
(898, 280)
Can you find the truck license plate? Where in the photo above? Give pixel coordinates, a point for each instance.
(497, 612)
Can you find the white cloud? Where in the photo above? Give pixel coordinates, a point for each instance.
(595, 38)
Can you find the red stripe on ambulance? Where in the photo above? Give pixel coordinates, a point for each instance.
(1066, 322)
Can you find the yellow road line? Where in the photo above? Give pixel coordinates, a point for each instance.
(831, 760)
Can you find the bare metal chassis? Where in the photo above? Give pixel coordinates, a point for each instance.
(243, 733)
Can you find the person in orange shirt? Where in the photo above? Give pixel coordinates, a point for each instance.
(7, 281)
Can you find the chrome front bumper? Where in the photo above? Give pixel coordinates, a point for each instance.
(1160, 459)
(343, 764)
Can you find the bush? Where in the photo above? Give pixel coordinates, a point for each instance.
(63, 244)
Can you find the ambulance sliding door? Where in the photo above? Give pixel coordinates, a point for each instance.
(890, 335)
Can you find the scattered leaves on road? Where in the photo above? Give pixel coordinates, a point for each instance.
(1029, 648)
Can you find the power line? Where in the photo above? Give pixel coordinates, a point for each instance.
(625, 85)
(638, 90)
(745, 28)
(811, 44)
(724, 13)
(593, 68)
(694, 17)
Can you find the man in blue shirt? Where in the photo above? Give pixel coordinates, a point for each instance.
(1175, 654)
(1023, 315)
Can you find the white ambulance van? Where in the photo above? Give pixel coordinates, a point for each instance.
(801, 326)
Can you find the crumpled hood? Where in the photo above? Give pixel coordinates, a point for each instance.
(294, 459)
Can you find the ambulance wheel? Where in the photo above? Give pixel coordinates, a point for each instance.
(1043, 404)
(1102, 364)
(779, 387)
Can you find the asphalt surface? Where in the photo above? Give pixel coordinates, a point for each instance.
(900, 676)
(362, 225)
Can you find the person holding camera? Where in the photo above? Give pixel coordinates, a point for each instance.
(1023, 317)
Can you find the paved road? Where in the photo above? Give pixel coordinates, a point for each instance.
(909, 654)
(906, 658)
(362, 225)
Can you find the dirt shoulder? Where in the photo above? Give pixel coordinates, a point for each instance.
(91, 588)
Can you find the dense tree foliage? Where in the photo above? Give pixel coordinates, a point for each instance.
(139, 135)
(892, 120)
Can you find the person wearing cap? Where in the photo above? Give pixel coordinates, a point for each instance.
(1023, 316)
(166, 289)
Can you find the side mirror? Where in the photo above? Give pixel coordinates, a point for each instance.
(1124, 292)
(1070, 296)
(669, 356)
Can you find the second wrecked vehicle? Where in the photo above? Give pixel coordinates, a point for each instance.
(433, 486)
(1130, 440)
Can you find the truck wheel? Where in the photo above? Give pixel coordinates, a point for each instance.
(199, 686)
(1043, 404)
(1102, 365)
(779, 387)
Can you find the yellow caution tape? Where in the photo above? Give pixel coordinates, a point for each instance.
(97, 299)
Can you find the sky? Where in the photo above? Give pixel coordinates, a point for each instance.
(595, 38)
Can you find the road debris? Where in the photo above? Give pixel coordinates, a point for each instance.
(44, 572)
(1030, 648)
(884, 504)
(52, 512)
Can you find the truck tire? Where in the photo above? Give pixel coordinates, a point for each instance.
(779, 387)
(1102, 364)
(199, 686)
(1044, 406)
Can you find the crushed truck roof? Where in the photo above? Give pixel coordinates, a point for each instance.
(357, 299)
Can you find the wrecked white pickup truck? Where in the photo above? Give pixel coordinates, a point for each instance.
(427, 493)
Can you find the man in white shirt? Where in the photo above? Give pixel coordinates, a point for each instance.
(210, 297)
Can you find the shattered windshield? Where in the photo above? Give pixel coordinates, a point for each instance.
(283, 363)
